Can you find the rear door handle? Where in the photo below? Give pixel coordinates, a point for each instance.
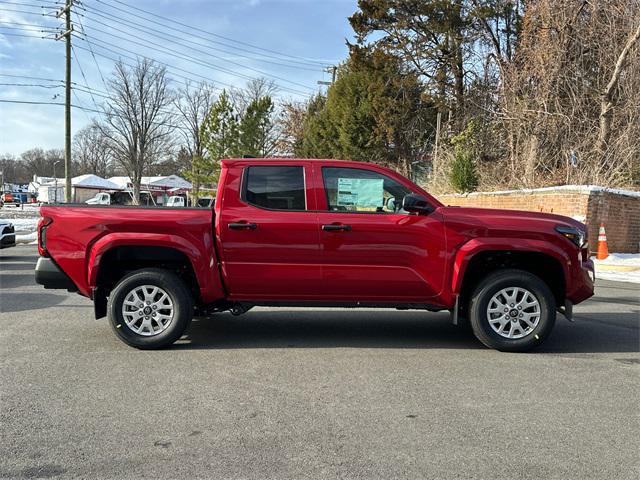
(333, 228)
(243, 226)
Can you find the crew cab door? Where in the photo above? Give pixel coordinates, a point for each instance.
(268, 232)
(373, 251)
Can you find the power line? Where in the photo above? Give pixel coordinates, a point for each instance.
(86, 114)
(80, 107)
(192, 28)
(22, 11)
(24, 24)
(78, 86)
(95, 61)
(192, 58)
(98, 43)
(30, 102)
(169, 67)
(23, 29)
(29, 85)
(118, 49)
(29, 77)
(75, 56)
(155, 32)
(22, 4)
(22, 35)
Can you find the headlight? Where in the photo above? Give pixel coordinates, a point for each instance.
(577, 236)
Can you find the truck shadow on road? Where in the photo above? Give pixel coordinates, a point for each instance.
(7, 266)
(17, 280)
(367, 329)
(328, 329)
(12, 302)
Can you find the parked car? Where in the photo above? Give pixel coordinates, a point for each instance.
(120, 198)
(7, 234)
(206, 202)
(8, 198)
(317, 232)
(176, 201)
(101, 198)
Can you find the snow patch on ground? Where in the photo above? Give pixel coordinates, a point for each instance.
(630, 259)
(26, 229)
(27, 211)
(559, 189)
(627, 262)
(629, 277)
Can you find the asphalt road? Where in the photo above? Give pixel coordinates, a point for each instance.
(321, 393)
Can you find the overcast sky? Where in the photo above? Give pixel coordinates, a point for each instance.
(295, 38)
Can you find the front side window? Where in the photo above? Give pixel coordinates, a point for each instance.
(275, 187)
(358, 190)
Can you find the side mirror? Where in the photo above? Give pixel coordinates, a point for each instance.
(414, 203)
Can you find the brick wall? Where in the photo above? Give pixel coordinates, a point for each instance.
(621, 217)
(618, 209)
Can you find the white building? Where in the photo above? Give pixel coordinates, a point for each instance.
(83, 187)
(160, 187)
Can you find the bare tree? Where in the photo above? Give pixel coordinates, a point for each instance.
(40, 162)
(291, 125)
(576, 61)
(138, 118)
(256, 89)
(193, 104)
(608, 95)
(91, 150)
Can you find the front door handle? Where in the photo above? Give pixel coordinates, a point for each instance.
(243, 226)
(334, 228)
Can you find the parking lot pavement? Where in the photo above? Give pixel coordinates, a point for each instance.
(313, 394)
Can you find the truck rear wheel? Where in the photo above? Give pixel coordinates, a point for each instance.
(150, 308)
(512, 311)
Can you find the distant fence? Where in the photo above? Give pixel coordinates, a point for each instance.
(618, 209)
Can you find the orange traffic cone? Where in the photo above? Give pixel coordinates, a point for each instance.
(603, 249)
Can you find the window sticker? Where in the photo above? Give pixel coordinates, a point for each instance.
(357, 193)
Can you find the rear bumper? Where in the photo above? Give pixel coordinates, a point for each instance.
(49, 275)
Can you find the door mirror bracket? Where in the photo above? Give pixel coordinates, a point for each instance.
(414, 203)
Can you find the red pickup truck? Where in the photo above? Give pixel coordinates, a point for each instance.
(317, 233)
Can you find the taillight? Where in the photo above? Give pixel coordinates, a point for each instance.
(43, 223)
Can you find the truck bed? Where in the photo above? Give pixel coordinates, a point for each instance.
(79, 235)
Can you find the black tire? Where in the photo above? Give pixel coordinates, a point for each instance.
(177, 291)
(494, 283)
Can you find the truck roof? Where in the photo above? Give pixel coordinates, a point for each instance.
(228, 162)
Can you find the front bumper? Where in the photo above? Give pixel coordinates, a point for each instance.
(582, 282)
(49, 275)
(7, 238)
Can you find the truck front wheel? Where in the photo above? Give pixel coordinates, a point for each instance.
(150, 308)
(512, 311)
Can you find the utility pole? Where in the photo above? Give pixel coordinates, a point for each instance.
(66, 11)
(333, 71)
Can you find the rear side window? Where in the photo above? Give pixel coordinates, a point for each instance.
(275, 188)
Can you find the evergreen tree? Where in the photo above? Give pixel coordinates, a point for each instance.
(463, 176)
(220, 136)
(373, 112)
(256, 128)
